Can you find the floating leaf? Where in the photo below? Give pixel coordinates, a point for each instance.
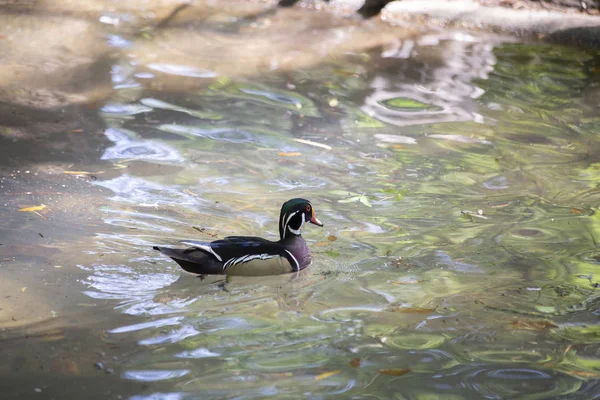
(355, 362)
(325, 375)
(576, 211)
(406, 103)
(343, 193)
(350, 199)
(333, 102)
(365, 200)
(33, 209)
(394, 371)
(546, 309)
(289, 154)
(332, 238)
(82, 173)
(58, 266)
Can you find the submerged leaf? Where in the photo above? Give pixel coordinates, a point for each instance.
(355, 362)
(325, 375)
(365, 200)
(350, 199)
(394, 371)
(532, 325)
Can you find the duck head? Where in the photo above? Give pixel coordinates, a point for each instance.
(294, 213)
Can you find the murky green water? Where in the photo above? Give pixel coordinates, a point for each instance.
(457, 179)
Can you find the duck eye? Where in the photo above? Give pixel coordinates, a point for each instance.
(307, 208)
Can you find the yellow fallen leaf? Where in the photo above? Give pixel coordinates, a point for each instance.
(332, 238)
(23, 289)
(327, 374)
(33, 209)
(289, 154)
(82, 173)
(333, 102)
(58, 266)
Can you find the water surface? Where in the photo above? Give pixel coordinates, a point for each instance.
(457, 178)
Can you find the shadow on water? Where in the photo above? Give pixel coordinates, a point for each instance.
(456, 175)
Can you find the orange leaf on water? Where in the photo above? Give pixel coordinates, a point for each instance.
(576, 211)
(332, 238)
(327, 374)
(289, 154)
(355, 362)
(394, 371)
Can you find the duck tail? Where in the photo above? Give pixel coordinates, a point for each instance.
(193, 260)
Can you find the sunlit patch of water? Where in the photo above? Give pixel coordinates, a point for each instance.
(183, 70)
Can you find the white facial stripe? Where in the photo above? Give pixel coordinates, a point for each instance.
(290, 217)
(285, 224)
(297, 231)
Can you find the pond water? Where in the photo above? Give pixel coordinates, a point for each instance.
(457, 179)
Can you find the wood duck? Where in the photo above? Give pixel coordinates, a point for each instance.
(250, 255)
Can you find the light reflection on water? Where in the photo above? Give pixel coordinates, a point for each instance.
(407, 295)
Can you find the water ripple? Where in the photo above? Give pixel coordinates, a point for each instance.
(151, 324)
(153, 376)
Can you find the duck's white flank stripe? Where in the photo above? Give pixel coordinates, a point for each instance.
(295, 261)
(204, 247)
